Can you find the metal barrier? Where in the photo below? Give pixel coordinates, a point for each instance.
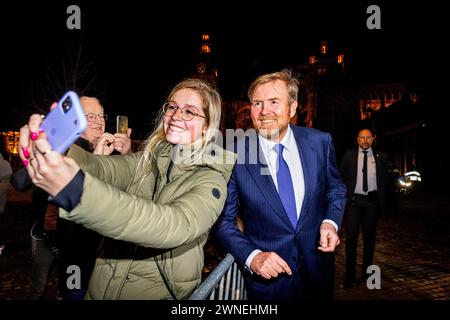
(224, 283)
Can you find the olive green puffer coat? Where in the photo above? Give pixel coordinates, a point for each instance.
(162, 222)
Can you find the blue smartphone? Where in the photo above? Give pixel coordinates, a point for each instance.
(64, 124)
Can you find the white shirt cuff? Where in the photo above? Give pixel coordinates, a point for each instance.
(250, 258)
(332, 223)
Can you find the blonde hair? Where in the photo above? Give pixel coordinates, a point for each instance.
(212, 106)
(284, 75)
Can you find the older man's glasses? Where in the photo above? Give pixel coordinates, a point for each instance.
(187, 113)
(92, 117)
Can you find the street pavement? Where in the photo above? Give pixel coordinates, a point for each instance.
(412, 252)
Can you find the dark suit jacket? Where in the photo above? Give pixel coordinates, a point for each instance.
(349, 166)
(267, 226)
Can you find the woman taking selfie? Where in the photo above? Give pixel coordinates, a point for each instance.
(155, 206)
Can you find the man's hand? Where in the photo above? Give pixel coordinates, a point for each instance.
(105, 145)
(122, 142)
(329, 238)
(269, 265)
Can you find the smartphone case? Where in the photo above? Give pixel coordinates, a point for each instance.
(63, 128)
(122, 124)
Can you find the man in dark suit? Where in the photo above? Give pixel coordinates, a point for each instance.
(291, 197)
(365, 172)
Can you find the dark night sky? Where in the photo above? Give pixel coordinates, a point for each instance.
(136, 52)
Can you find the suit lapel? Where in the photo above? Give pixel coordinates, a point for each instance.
(354, 167)
(265, 183)
(309, 167)
(377, 168)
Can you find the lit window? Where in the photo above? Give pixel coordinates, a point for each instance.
(205, 48)
(340, 58)
(205, 37)
(324, 47)
(312, 59)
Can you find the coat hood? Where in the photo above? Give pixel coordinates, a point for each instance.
(214, 157)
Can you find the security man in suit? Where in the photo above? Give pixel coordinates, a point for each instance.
(365, 172)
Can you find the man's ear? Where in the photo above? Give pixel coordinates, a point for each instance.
(293, 108)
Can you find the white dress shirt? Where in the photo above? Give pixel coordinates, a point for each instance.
(371, 172)
(292, 157)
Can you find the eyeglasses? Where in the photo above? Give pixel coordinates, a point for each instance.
(93, 117)
(187, 113)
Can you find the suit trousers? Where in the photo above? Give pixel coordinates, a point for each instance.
(361, 211)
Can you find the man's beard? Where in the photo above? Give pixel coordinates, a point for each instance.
(270, 133)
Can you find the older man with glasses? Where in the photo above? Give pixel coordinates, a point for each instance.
(100, 141)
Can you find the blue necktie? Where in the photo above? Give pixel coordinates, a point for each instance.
(285, 187)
